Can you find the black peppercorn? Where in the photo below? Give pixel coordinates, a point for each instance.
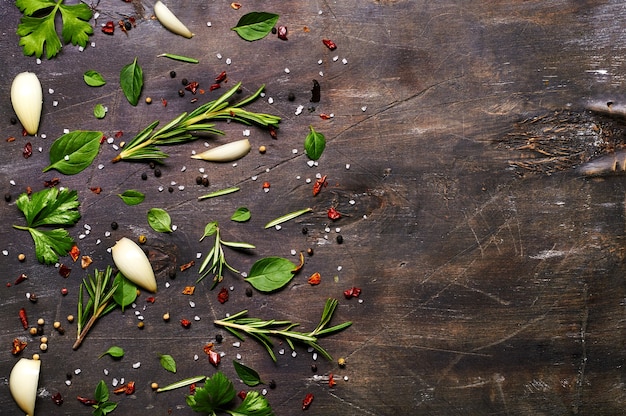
(205, 182)
(172, 74)
(184, 81)
(305, 230)
(7, 197)
(172, 273)
(249, 292)
(219, 338)
(291, 96)
(181, 93)
(144, 176)
(170, 189)
(314, 368)
(339, 239)
(198, 180)
(309, 251)
(274, 30)
(128, 25)
(114, 225)
(151, 165)
(272, 384)
(13, 120)
(157, 172)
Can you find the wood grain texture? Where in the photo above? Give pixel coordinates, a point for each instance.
(487, 289)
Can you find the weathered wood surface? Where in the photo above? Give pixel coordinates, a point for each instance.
(487, 289)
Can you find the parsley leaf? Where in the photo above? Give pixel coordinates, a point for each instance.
(37, 26)
(49, 207)
(253, 405)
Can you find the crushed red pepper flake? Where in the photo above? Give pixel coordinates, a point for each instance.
(325, 116)
(208, 347)
(333, 214)
(214, 358)
(215, 86)
(150, 299)
(185, 266)
(192, 389)
(27, 151)
(20, 278)
(353, 292)
(52, 182)
(329, 44)
(108, 28)
(85, 261)
(10, 139)
(235, 6)
(188, 290)
(64, 271)
(29, 190)
(74, 252)
(242, 394)
(273, 133)
(18, 346)
(319, 184)
(331, 380)
(119, 134)
(306, 402)
(222, 297)
(185, 323)
(96, 190)
(128, 388)
(299, 266)
(57, 398)
(315, 279)
(23, 318)
(192, 87)
(221, 77)
(164, 102)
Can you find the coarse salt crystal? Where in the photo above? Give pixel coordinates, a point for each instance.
(192, 304)
(43, 136)
(50, 91)
(321, 73)
(237, 344)
(344, 61)
(208, 24)
(246, 132)
(201, 170)
(55, 103)
(281, 351)
(66, 157)
(266, 190)
(234, 165)
(68, 382)
(298, 177)
(107, 233)
(137, 313)
(287, 70)
(114, 382)
(77, 371)
(93, 44)
(198, 255)
(238, 356)
(228, 61)
(40, 149)
(184, 168)
(254, 177)
(167, 284)
(174, 227)
(337, 230)
(160, 188)
(293, 252)
(339, 268)
(195, 357)
(335, 58)
(308, 180)
(137, 365)
(219, 56)
(294, 151)
(81, 236)
(181, 187)
(264, 392)
(347, 166)
(299, 110)
(278, 227)
(293, 354)
(364, 108)
(318, 175)
(262, 94)
(38, 61)
(231, 288)
(115, 147)
(345, 378)
(110, 140)
(311, 163)
(65, 131)
(98, 241)
(327, 229)
(270, 100)
(140, 317)
(196, 318)
(80, 49)
(314, 356)
(12, 182)
(319, 62)
(244, 274)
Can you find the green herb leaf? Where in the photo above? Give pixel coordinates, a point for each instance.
(179, 58)
(255, 404)
(51, 244)
(209, 229)
(287, 217)
(242, 214)
(103, 409)
(93, 78)
(115, 352)
(101, 393)
(74, 151)
(249, 376)
(181, 383)
(270, 273)
(37, 26)
(132, 197)
(167, 362)
(314, 144)
(131, 81)
(160, 220)
(255, 25)
(125, 291)
(216, 393)
(99, 111)
(221, 192)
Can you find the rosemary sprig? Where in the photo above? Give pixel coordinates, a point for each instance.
(261, 330)
(215, 260)
(188, 126)
(100, 290)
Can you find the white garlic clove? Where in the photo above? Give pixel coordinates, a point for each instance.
(226, 152)
(133, 263)
(27, 100)
(170, 21)
(23, 382)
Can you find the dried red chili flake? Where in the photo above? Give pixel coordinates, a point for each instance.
(315, 279)
(131, 19)
(86, 401)
(23, 318)
(75, 252)
(128, 388)
(273, 133)
(329, 44)
(85, 261)
(186, 323)
(108, 28)
(192, 86)
(208, 348)
(27, 151)
(52, 182)
(192, 389)
(222, 297)
(10, 139)
(299, 266)
(188, 290)
(221, 77)
(29, 190)
(57, 399)
(164, 102)
(215, 86)
(150, 299)
(306, 403)
(64, 271)
(317, 186)
(333, 214)
(20, 279)
(331, 381)
(18, 346)
(214, 358)
(282, 32)
(96, 190)
(266, 185)
(235, 6)
(353, 292)
(103, 139)
(24, 133)
(242, 394)
(185, 266)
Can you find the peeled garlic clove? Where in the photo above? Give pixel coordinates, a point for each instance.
(170, 21)
(27, 100)
(131, 260)
(226, 152)
(23, 382)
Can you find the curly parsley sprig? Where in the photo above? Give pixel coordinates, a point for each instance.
(186, 127)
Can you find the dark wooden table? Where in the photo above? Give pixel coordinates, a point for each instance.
(492, 274)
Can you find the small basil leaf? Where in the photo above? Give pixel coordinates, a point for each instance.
(101, 393)
(242, 214)
(93, 78)
(270, 273)
(314, 144)
(126, 291)
(115, 352)
(209, 229)
(131, 81)
(74, 151)
(255, 25)
(132, 197)
(249, 376)
(160, 220)
(167, 362)
(99, 111)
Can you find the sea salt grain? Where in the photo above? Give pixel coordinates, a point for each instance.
(114, 382)
(293, 252)
(278, 227)
(228, 61)
(198, 255)
(364, 108)
(344, 61)
(77, 371)
(299, 110)
(287, 70)
(219, 56)
(320, 62)
(294, 354)
(238, 356)
(237, 344)
(314, 356)
(246, 132)
(55, 103)
(347, 166)
(270, 100)
(50, 91)
(281, 351)
(335, 58)
(137, 365)
(294, 151)
(192, 304)
(208, 24)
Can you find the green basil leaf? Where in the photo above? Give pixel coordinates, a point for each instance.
(249, 376)
(105, 408)
(209, 229)
(314, 144)
(131, 81)
(99, 111)
(101, 393)
(242, 214)
(270, 273)
(74, 151)
(115, 352)
(168, 362)
(160, 220)
(132, 197)
(125, 292)
(255, 25)
(93, 78)
(178, 58)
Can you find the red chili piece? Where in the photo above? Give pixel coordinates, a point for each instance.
(186, 323)
(18, 346)
(164, 102)
(64, 271)
(86, 401)
(28, 150)
(306, 403)
(52, 182)
(282, 32)
(96, 190)
(74, 252)
(20, 279)
(317, 186)
(242, 394)
(108, 28)
(128, 388)
(222, 297)
(24, 132)
(192, 389)
(23, 318)
(331, 381)
(329, 44)
(57, 399)
(353, 292)
(215, 86)
(325, 116)
(150, 299)
(221, 77)
(333, 214)
(103, 139)
(192, 86)
(273, 133)
(214, 358)
(315, 279)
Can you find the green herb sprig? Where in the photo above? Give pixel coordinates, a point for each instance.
(103, 405)
(186, 127)
(261, 330)
(215, 260)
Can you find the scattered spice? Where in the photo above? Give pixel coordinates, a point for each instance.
(282, 32)
(299, 266)
(85, 261)
(306, 403)
(188, 290)
(214, 358)
(185, 266)
(23, 318)
(150, 299)
(96, 190)
(27, 151)
(74, 252)
(215, 86)
(316, 92)
(18, 346)
(108, 28)
(235, 6)
(221, 77)
(325, 116)
(222, 297)
(329, 44)
(273, 133)
(186, 323)
(20, 279)
(317, 186)
(315, 279)
(64, 271)
(331, 381)
(353, 292)
(242, 394)
(52, 182)
(333, 214)
(192, 87)
(86, 401)
(57, 399)
(128, 388)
